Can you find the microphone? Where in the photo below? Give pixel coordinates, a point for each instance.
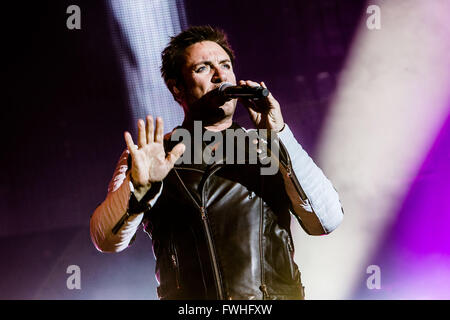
(230, 91)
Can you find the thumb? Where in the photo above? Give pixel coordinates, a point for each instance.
(175, 153)
(254, 115)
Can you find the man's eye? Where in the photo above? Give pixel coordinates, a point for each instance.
(227, 66)
(201, 69)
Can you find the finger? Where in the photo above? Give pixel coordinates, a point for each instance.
(265, 87)
(175, 153)
(252, 83)
(142, 140)
(129, 141)
(250, 105)
(149, 129)
(159, 131)
(254, 115)
(252, 109)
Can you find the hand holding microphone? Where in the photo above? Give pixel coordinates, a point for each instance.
(263, 108)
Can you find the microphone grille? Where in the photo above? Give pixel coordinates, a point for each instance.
(224, 85)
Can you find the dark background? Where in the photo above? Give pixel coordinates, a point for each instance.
(65, 109)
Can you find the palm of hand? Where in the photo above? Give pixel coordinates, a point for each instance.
(149, 161)
(149, 164)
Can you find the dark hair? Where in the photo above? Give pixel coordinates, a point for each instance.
(173, 54)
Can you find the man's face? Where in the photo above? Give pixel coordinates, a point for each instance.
(206, 66)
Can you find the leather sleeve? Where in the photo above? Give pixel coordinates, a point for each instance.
(315, 202)
(114, 222)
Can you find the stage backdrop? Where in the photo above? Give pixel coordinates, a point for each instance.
(363, 85)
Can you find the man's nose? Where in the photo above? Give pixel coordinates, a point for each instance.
(219, 76)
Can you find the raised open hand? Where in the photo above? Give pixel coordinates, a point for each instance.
(149, 160)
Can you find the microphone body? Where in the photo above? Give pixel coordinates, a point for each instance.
(230, 91)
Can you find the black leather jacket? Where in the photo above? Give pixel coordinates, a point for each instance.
(222, 231)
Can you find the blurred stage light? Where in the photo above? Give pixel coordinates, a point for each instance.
(141, 30)
(390, 103)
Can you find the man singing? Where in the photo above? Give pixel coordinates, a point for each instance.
(220, 229)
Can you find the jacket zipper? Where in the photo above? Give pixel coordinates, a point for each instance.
(174, 258)
(120, 223)
(298, 187)
(212, 251)
(263, 286)
(209, 240)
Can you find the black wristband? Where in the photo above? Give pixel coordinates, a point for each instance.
(135, 206)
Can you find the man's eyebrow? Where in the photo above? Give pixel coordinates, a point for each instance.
(209, 62)
(201, 62)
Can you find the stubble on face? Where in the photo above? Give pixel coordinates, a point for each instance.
(206, 66)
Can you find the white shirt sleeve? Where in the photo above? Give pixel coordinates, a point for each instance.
(113, 209)
(321, 194)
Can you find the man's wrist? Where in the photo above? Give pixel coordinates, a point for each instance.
(140, 192)
(140, 198)
(274, 130)
(282, 128)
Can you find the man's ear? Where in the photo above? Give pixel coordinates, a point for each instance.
(176, 90)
